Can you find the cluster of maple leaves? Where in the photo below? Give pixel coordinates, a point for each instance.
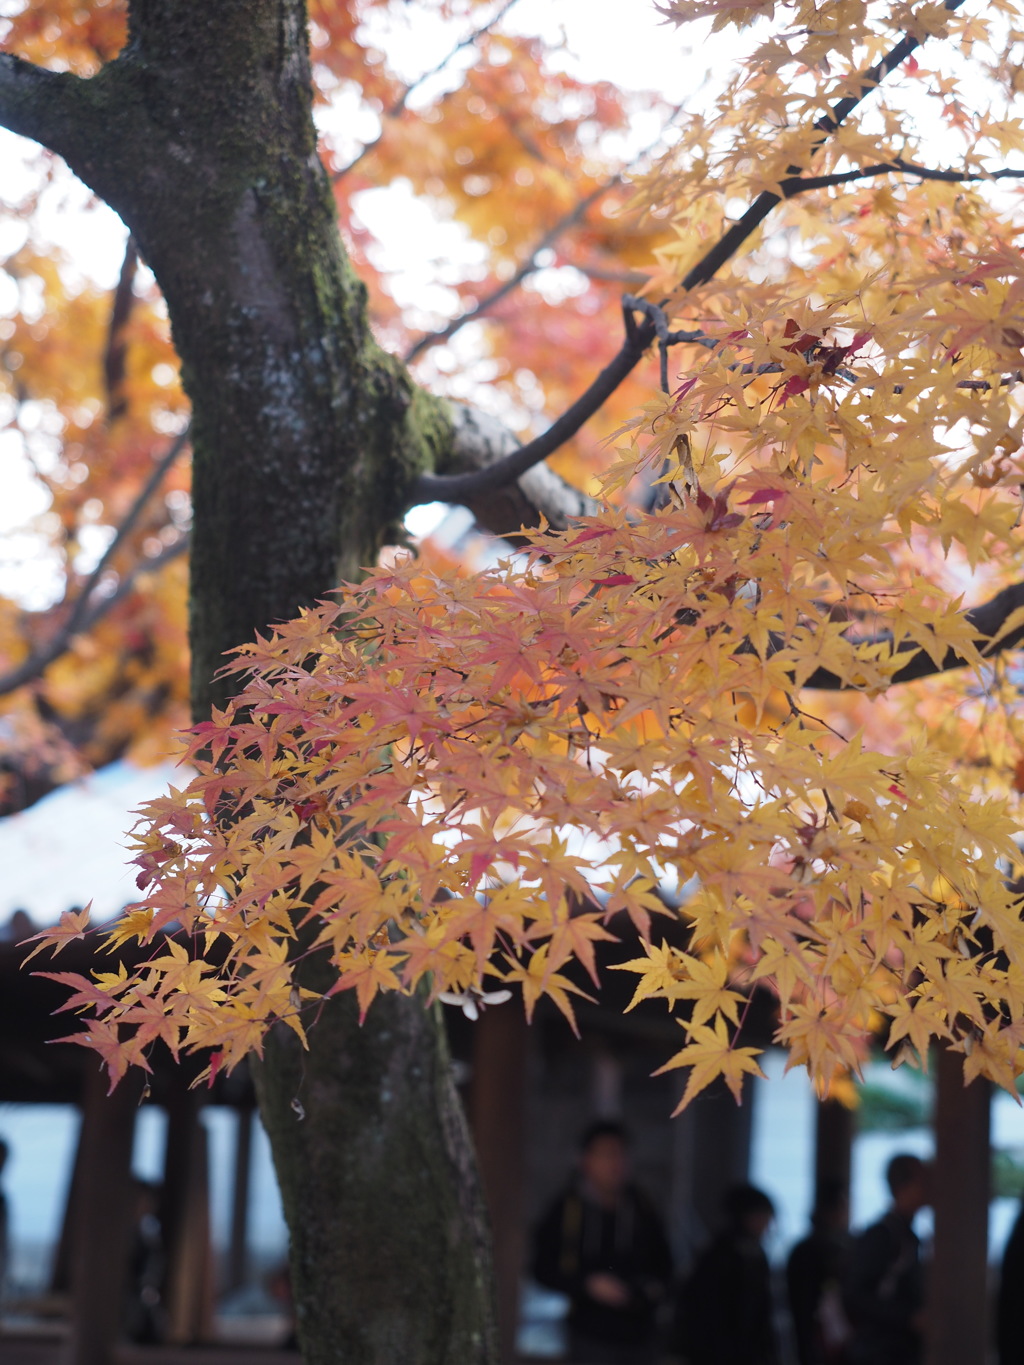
(420, 780)
(459, 778)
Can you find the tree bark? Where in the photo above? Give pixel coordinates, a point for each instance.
(396, 1267)
(307, 439)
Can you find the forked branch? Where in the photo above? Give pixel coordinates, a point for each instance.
(730, 242)
(798, 184)
(458, 487)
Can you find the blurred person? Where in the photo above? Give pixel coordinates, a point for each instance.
(279, 1287)
(725, 1314)
(883, 1293)
(144, 1311)
(814, 1278)
(602, 1244)
(1010, 1300)
(5, 1225)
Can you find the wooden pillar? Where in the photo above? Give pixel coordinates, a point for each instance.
(957, 1317)
(498, 1121)
(60, 1272)
(185, 1222)
(833, 1147)
(238, 1257)
(721, 1152)
(101, 1218)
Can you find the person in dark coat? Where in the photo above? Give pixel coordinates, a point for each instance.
(725, 1313)
(4, 1225)
(884, 1289)
(1010, 1303)
(602, 1244)
(814, 1277)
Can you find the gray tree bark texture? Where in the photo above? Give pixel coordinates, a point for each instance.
(307, 439)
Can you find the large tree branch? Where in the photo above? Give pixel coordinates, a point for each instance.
(459, 487)
(987, 620)
(63, 112)
(86, 611)
(34, 102)
(481, 441)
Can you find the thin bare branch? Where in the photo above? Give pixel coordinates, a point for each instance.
(395, 110)
(115, 355)
(531, 264)
(85, 612)
(799, 184)
(37, 662)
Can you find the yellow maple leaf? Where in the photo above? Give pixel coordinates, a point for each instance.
(710, 1054)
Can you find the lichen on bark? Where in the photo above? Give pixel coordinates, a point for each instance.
(382, 1121)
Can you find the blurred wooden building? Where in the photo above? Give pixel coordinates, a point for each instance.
(529, 1091)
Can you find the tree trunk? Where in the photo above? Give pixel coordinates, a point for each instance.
(396, 1267)
(306, 439)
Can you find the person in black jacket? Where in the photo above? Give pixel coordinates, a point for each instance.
(1010, 1303)
(884, 1290)
(815, 1273)
(725, 1313)
(602, 1244)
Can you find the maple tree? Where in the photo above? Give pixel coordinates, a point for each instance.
(263, 305)
(445, 782)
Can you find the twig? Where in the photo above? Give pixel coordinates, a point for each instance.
(528, 267)
(659, 319)
(530, 264)
(396, 109)
(116, 352)
(83, 615)
(798, 184)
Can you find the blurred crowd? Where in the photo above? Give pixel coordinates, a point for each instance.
(845, 1299)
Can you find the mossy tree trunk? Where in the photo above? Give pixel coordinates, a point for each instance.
(306, 438)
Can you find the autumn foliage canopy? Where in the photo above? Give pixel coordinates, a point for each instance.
(750, 677)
